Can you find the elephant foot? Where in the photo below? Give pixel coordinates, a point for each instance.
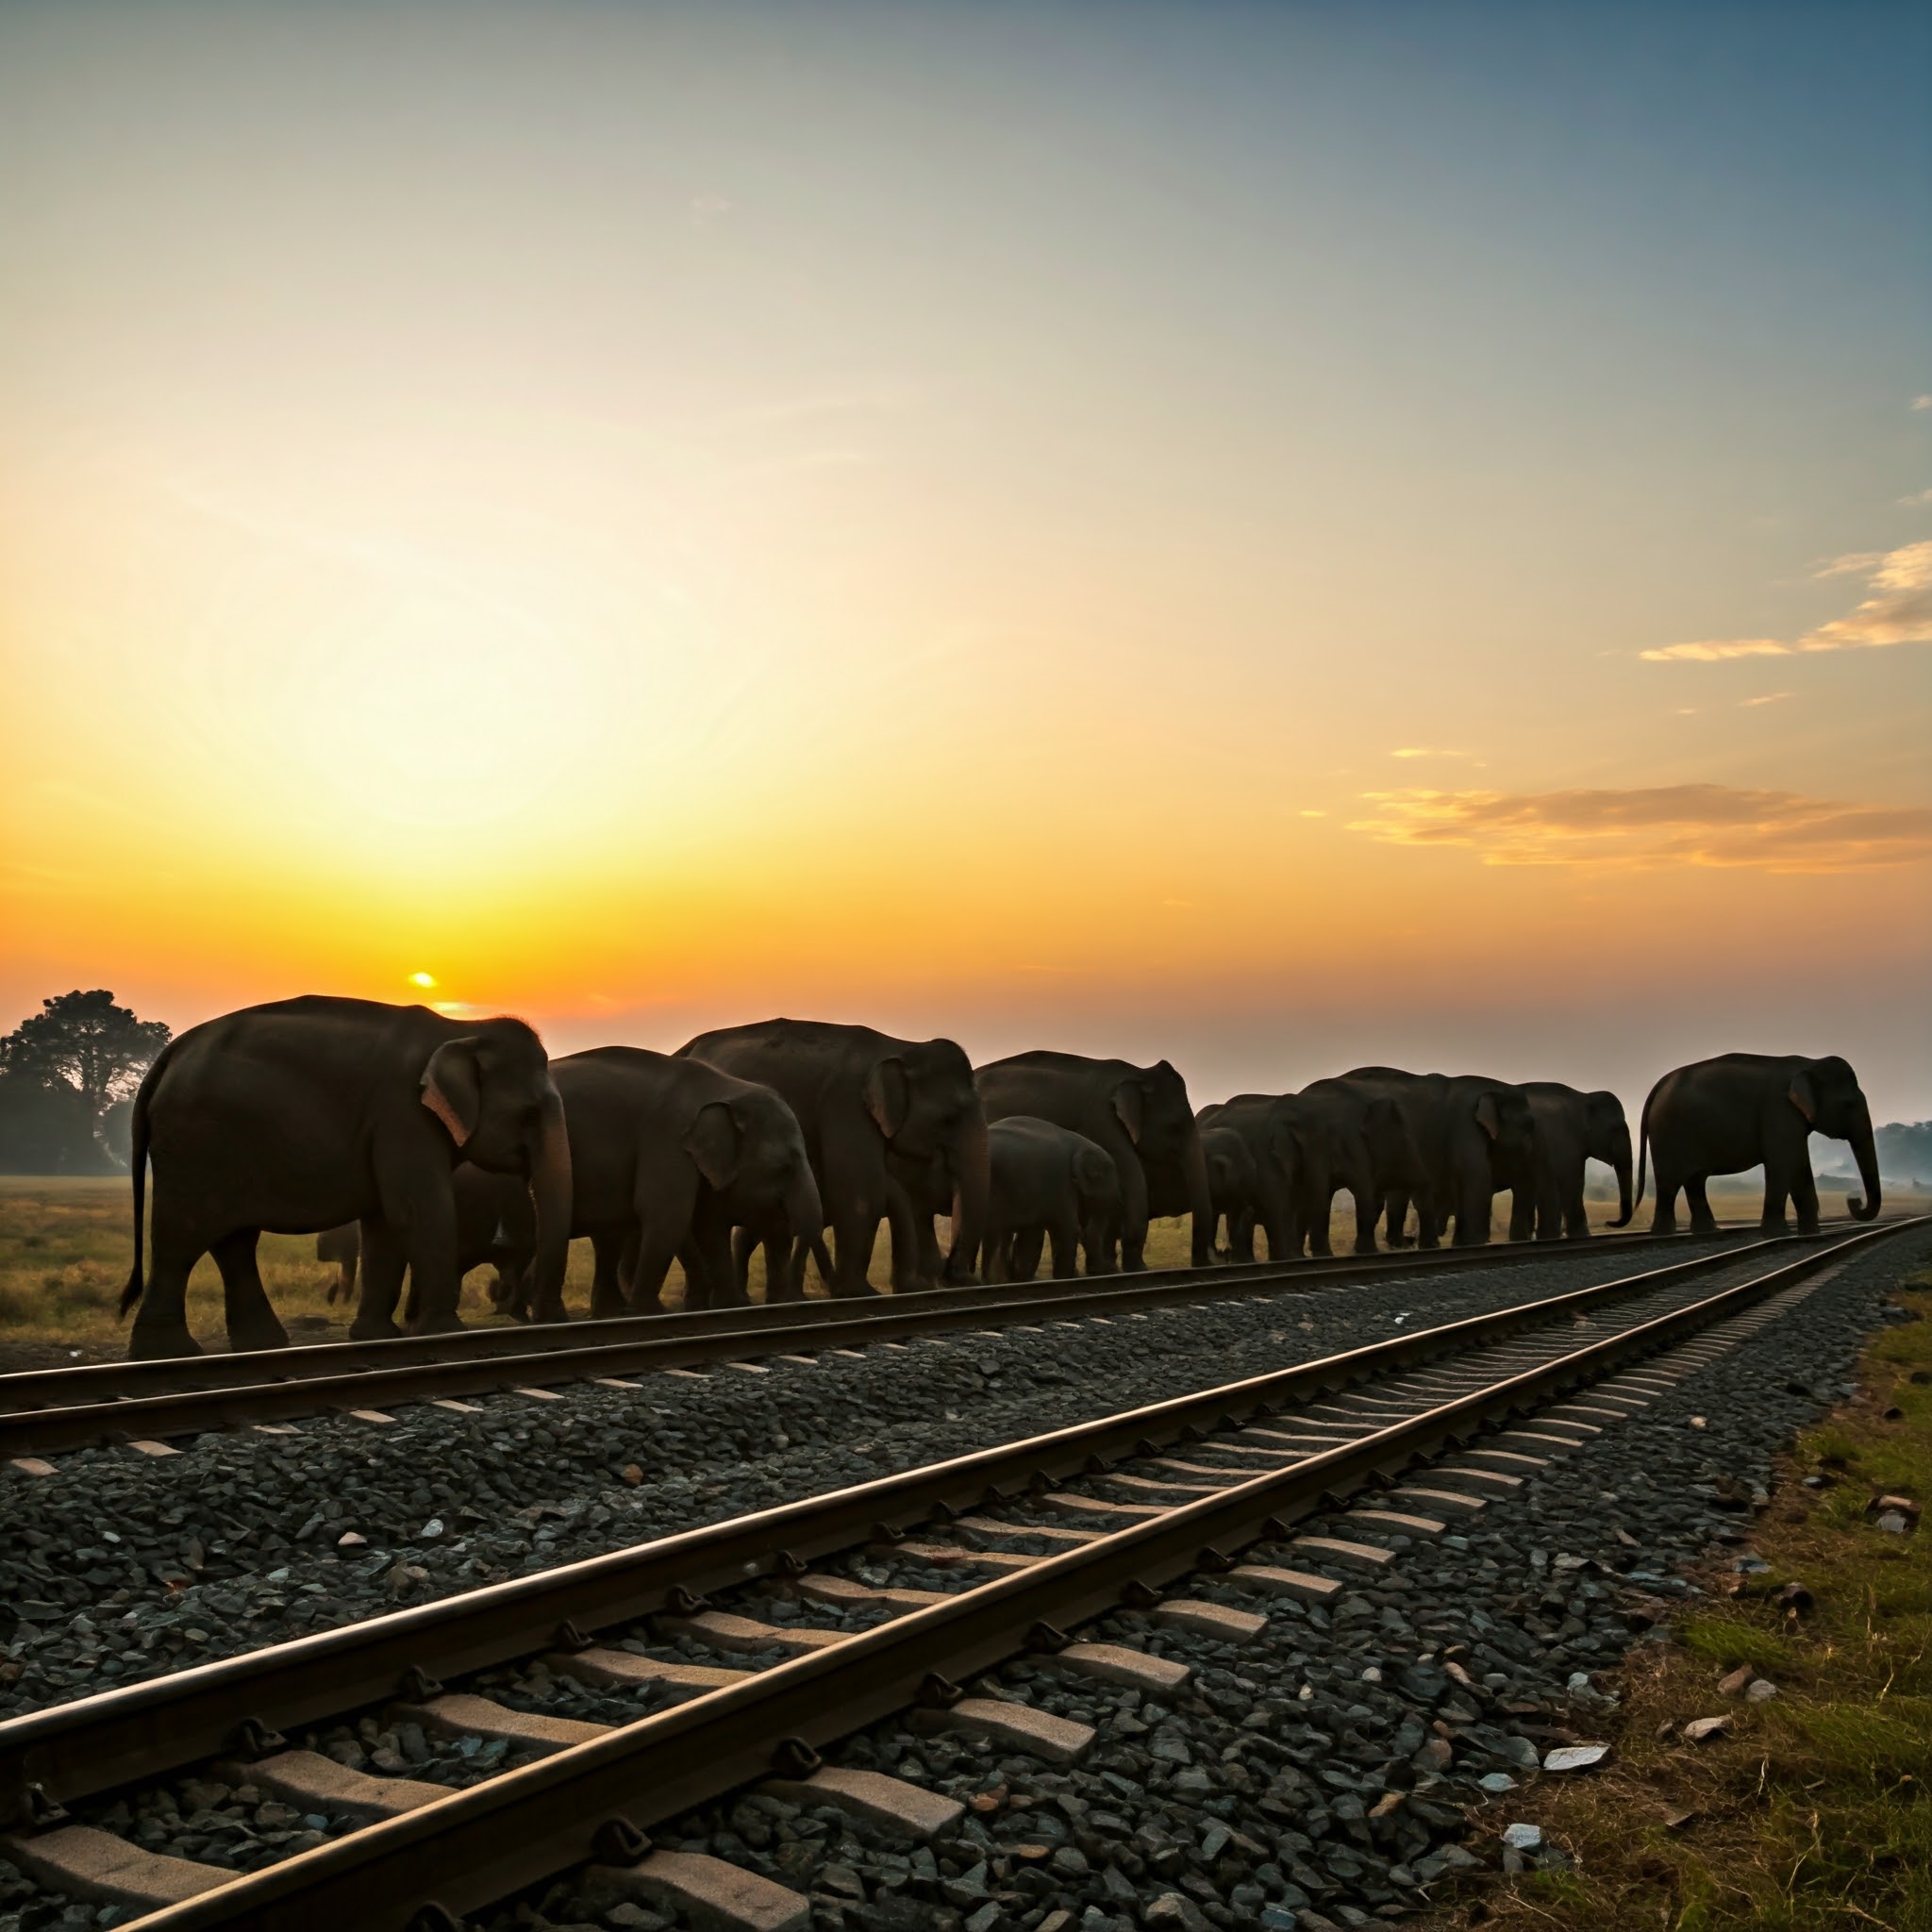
(613, 1308)
(373, 1328)
(158, 1343)
(549, 1312)
(854, 1291)
(450, 1324)
(1366, 1248)
(263, 1333)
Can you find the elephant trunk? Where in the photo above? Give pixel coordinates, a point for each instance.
(1865, 1151)
(1200, 1198)
(970, 1158)
(550, 1191)
(804, 1206)
(1619, 1159)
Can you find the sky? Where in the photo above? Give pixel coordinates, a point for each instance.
(1276, 536)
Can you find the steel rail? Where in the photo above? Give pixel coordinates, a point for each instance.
(75, 1749)
(594, 1799)
(117, 1401)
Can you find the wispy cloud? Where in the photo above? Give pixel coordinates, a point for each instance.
(1641, 830)
(1918, 496)
(1898, 612)
(1921, 402)
(1771, 697)
(1427, 751)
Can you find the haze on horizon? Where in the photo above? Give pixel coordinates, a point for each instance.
(1272, 535)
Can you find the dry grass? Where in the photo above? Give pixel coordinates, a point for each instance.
(1814, 1813)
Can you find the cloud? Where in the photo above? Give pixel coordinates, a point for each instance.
(1899, 612)
(1711, 649)
(1427, 751)
(1652, 827)
(1918, 496)
(1771, 697)
(1921, 402)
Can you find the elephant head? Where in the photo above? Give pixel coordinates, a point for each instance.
(750, 1149)
(922, 1101)
(1503, 1115)
(1607, 1138)
(1828, 1093)
(1151, 1105)
(1230, 1168)
(492, 1091)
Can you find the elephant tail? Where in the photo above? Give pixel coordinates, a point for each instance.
(1643, 1153)
(138, 1134)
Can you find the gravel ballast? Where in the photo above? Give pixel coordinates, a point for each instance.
(120, 1566)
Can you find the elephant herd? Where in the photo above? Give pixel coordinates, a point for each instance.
(419, 1146)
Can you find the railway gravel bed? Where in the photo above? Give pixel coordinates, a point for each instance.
(1330, 1772)
(121, 1565)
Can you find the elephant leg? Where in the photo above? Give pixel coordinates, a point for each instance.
(1365, 1204)
(161, 1321)
(709, 1266)
(1575, 1219)
(1241, 1235)
(903, 1223)
(1522, 1216)
(434, 1283)
(648, 1255)
(383, 1262)
(252, 1324)
(744, 1243)
(1805, 1197)
(1663, 1219)
(1027, 1245)
(855, 1234)
(1064, 1232)
(1702, 1220)
(607, 1299)
(1320, 1201)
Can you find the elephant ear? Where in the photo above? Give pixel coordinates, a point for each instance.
(712, 1142)
(452, 1090)
(1488, 1118)
(1130, 1108)
(888, 1095)
(1804, 1096)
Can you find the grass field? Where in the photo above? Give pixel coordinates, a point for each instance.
(65, 1248)
(1814, 1813)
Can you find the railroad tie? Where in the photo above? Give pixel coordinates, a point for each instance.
(314, 1783)
(1439, 1499)
(623, 1669)
(846, 1593)
(1015, 1726)
(887, 1804)
(1393, 1522)
(723, 1630)
(716, 1895)
(1047, 1532)
(1200, 1618)
(1494, 1482)
(1097, 1506)
(104, 1870)
(1271, 1580)
(1115, 1663)
(1334, 1549)
(1155, 1483)
(460, 1714)
(943, 1556)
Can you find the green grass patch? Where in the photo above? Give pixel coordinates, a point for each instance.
(1814, 1813)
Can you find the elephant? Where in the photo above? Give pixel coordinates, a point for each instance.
(1353, 1141)
(1473, 1136)
(1570, 1127)
(303, 1114)
(343, 1247)
(876, 1113)
(1260, 1125)
(1745, 1110)
(1142, 1118)
(1231, 1186)
(495, 1224)
(1047, 1183)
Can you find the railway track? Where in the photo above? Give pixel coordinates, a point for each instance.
(43, 1412)
(753, 1643)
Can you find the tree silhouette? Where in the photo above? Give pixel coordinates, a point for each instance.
(84, 1042)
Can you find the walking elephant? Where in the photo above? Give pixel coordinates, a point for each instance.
(1353, 1141)
(496, 1223)
(1048, 1184)
(1231, 1186)
(1474, 1137)
(876, 1115)
(1745, 1110)
(1260, 1127)
(301, 1115)
(1571, 1128)
(1140, 1115)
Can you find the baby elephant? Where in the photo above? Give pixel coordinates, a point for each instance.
(1048, 1181)
(1231, 1187)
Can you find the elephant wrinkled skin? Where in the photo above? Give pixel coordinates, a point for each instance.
(876, 1115)
(1140, 1115)
(301, 1115)
(1745, 1110)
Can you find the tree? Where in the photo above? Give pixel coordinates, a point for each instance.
(63, 1068)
